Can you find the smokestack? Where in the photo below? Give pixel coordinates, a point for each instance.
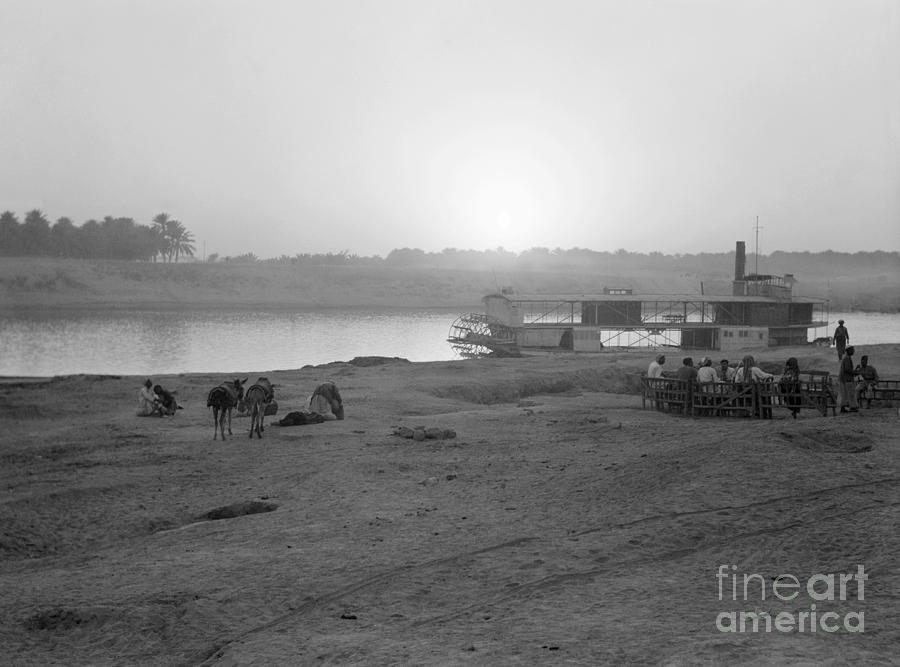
(740, 261)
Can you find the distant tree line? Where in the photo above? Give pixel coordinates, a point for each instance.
(166, 239)
(802, 264)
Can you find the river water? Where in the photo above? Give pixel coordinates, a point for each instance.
(168, 342)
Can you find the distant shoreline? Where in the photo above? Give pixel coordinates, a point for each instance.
(175, 306)
(217, 304)
(28, 284)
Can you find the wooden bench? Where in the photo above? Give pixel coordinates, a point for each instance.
(665, 394)
(816, 395)
(683, 397)
(725, 399)
(887, 390)
(814, 390)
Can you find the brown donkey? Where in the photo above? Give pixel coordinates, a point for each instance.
(256, 399)
(222, 400)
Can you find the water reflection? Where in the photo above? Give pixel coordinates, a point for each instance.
(222, 341)
(156, 342)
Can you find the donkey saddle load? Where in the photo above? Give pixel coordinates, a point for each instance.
(224, 396)
(222, 400)
(258, 398)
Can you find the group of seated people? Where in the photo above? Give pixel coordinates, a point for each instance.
(154, 400)
(705, 374)
(746, 371)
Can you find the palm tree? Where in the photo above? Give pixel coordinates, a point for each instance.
(160, 228)
(181, 241)
(174, 239)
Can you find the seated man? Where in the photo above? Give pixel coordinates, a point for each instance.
(687, 372)
(707, 378)
(654, 370)
(725, 372)
(166, 400)
(706, 372)
(868, 380)
(326, 401)
(148, 402)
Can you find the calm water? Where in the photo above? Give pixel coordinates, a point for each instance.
(166, 342)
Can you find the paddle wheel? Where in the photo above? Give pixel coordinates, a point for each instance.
(475, 335)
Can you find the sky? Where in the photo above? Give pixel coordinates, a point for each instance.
(285, 127)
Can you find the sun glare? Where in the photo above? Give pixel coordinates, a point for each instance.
(503, 210)
(502, 189)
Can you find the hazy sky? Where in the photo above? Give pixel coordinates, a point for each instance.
(279, 127)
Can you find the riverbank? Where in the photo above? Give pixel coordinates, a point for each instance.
(47, 283)
(563, 522)
(28, 283)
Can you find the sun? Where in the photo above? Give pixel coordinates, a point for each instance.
(499, 190)
(503, 207)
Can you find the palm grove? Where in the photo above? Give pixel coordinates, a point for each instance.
(165, 239)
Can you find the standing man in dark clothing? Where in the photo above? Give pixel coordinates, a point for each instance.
(846, 382)
(841, 338)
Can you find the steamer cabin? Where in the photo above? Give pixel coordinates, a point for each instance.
(753, 311)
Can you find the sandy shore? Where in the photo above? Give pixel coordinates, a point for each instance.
(562, 524)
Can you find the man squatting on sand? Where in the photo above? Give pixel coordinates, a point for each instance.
(154, 400)
(326, 400)
(148, 402)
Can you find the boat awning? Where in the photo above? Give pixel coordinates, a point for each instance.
(642, 298)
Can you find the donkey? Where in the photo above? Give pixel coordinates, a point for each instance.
(222, 399)
(256, 399)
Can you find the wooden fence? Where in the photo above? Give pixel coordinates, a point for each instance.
(749, 399)
(887, 390)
